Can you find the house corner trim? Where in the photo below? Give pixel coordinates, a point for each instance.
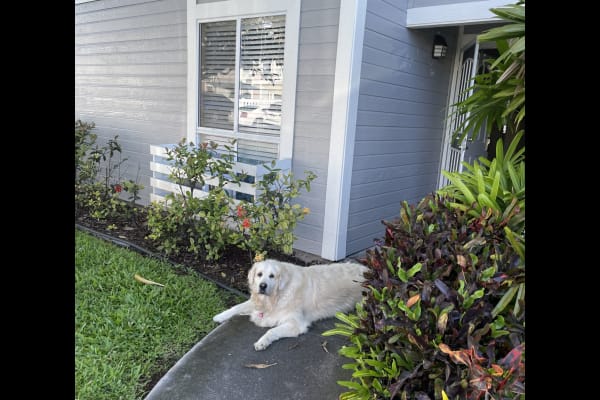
(343, 127)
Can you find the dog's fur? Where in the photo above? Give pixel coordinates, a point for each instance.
(289, 298)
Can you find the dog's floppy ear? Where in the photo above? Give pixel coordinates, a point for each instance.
(284, 278)
(251, 276)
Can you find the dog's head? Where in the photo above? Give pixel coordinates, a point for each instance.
(266, 277)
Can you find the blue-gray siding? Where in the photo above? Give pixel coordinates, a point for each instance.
(131, 76)
(428, 3)
(314, 99)
(402, 96)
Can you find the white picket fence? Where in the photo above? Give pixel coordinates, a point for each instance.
(161, 168)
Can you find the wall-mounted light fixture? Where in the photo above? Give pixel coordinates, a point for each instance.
(440, 47)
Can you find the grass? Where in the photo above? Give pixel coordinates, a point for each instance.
(127, 332)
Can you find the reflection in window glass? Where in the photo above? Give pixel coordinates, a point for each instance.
(261, 75)
(217, 82)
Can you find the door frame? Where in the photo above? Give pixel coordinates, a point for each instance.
(464, 42)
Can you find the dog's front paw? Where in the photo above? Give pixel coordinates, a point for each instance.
(222, 317)
(261, 344)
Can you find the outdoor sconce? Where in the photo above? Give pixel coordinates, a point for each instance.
(440, 47)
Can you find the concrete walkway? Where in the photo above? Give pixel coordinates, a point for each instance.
(306, 367)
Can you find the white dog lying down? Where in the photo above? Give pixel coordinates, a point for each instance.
(289, 297)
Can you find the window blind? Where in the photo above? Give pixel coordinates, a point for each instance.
(259, 98)
(261, 74)
(217, 83)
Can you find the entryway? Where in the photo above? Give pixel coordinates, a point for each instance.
(471, 60)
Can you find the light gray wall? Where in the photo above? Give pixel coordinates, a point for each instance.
(402, 99)
(314, 98)
(130, 75)
(427, 3)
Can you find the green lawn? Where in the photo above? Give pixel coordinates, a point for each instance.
(126, 331)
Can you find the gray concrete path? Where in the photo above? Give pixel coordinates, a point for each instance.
(216, 367)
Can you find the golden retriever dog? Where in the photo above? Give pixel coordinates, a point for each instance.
(288, 298)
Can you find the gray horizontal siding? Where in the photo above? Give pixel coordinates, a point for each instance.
(126, 24)
(131, 80)
(403, 95)
(135, 93)
(149, 33)
(374, 175)
(131, 76)
(131, 46)
(318, 34)
(314, 102)
(316, 17)
(127, 10)
(386, 104)
(104, 5)
(429, 3)
(133, 70)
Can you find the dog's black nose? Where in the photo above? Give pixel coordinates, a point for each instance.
(262, 287)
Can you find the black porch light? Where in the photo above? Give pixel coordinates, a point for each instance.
(440, 47)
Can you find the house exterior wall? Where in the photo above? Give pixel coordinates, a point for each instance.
(130, 76)
(428, 3)
(400, 120)
(131, 80)
(314, 98)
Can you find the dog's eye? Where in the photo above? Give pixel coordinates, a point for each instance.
(259, 274)
(271, 276)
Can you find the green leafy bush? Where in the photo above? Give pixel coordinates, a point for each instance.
(440, 316)
(85, 167)
(206, 224)
(186, 221)
(498, 185)
(268, 223)
(497, 97)
(98, 179)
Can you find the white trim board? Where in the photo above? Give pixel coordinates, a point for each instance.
(343, 127)
(453, 14)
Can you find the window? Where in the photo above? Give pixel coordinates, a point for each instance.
(245, 105)
(242, 67)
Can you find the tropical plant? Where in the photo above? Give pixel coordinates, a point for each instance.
(498, 184)
(497, 97)
(440, 318)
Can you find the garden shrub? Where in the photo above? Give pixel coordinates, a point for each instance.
(98, 179)
(440, 318)
(498, 184)
(198, 225)
(267, 224)
(85, 167)
(205, 225)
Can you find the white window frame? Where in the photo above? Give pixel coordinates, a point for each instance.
(237, 9)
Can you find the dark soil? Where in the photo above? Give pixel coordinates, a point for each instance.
(231, 270)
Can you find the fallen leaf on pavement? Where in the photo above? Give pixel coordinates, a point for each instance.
(259, 366)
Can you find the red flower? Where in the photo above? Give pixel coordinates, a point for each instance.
(240, 211)
(246, 223)
(118, 188)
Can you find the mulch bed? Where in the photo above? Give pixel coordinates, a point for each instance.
(230, 270)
